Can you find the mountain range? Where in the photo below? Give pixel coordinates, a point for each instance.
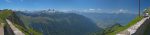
(53, 22)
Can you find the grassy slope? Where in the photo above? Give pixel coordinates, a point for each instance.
(119, 29)
(6, 13)
(23, 29)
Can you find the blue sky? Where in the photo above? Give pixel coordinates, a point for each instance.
(107, 6)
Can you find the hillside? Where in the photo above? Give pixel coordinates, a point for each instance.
(8, 29)
(105, 20)
(58, 23)
(5, 29)
(48, 23)
(63, 23)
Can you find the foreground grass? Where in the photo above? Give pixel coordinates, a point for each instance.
(29, 31)
(5, 14)
(122, 28)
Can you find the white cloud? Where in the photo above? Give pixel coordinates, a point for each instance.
(91, 9)
(120, 11)
(64, 10)
(123, 10)
(82, 10)
(96, 9)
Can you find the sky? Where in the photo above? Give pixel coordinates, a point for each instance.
(106, 6)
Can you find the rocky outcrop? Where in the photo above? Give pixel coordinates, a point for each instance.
(15, 30)
(143, 29)
(135, 28)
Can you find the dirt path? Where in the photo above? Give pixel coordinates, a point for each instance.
(131, 30)
(2, 29)
(15, 30)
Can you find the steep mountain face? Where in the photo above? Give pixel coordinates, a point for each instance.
(58, 23)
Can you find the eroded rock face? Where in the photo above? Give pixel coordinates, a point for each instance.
(144, 29)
